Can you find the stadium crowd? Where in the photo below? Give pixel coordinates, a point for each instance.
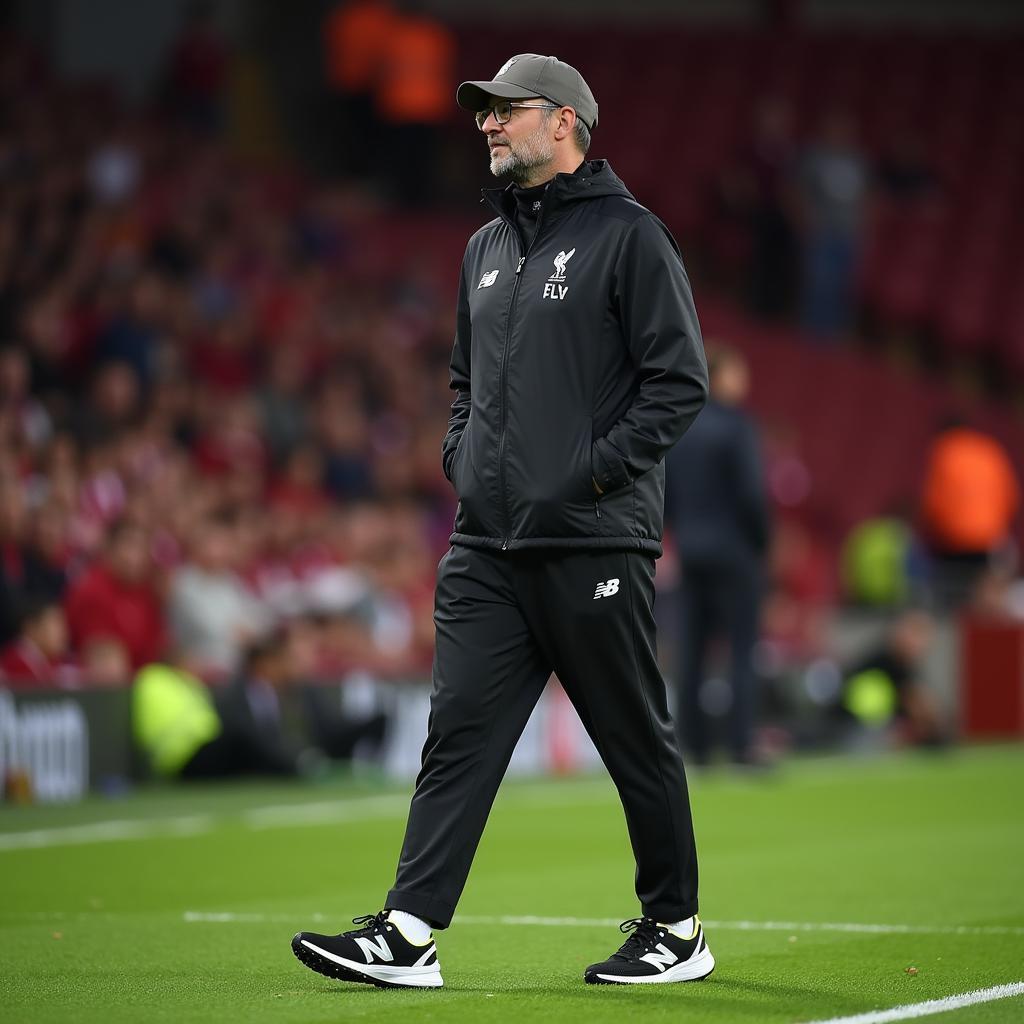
(172, 369)
(222, 394)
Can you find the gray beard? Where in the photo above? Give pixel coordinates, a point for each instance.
(532, 152)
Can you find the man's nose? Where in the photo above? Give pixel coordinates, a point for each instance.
(490, 125)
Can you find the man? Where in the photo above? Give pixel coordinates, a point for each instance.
(577, 364)
(39, 656)
(717, 507)
(117, 598)
(969, 503)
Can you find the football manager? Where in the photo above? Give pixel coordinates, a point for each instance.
(577, 365)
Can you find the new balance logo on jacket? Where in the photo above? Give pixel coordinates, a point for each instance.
(606, 589)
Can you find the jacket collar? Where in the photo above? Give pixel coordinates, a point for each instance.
(593, 179)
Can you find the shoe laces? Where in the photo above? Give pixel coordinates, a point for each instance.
(646, 935)
(369, 923)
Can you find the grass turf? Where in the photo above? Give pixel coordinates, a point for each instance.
(97, 931)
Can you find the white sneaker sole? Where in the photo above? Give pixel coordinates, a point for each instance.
(411, 977)
(697, 967)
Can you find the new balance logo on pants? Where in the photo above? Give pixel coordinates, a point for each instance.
(606, 589)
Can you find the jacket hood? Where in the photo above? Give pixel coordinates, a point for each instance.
(593, 179)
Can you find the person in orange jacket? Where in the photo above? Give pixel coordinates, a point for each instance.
(355, 35)
(969, 501)
(417, 76)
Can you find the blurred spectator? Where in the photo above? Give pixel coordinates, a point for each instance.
(716, 504)
(832, 183)
(40, 653)
(105, 663)
(876, 562)
(904, 172)
(883, 692)
(356, 36)
(211, 612)
(118, 599)
(774, 250)
(198, 70)
(281, 401)
(114, 404)
(414, 99)
(173, 718)
(969, 501)
(23, 418)
(114, 170)
(25, 575)
(253, 739)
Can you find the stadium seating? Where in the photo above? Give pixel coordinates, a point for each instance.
(676, 107)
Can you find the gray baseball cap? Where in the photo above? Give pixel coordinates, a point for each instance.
(530, 74)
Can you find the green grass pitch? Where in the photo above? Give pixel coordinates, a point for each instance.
(109, 908)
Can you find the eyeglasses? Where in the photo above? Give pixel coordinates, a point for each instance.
(502, 111)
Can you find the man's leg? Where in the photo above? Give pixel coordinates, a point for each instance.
(696, 626)
(743, 608)
(488, 676)
(593, 614)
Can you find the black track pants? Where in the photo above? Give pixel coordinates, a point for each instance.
(504, 622)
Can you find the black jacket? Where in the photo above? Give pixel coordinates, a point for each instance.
(716, 500)
(577, 360)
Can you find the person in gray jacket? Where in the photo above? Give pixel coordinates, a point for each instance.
(577, 364)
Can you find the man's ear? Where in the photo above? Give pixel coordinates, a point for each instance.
(566, 122)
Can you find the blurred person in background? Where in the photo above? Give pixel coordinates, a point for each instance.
(28, 421)
(256, 737)
(770, 160)
(197, 70)
(716, 504)
(118, 597)
(40, 654)
(211, 613)
(105, 662)
(884, 694)
(969, 502)
(414, 87)
(186, 731)
(25, 574)
(904, 172)
(565, 408)
(881, 562)
(832, 183)
(355, 39)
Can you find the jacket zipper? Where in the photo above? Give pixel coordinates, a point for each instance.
(503, 376)
(502, 414)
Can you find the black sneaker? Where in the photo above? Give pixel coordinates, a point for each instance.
(654, 955)
(377, 954)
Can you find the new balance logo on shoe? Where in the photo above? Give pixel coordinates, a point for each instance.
(378, 953)
(606, 589)
(375, 947)
(654, 955)
(661, 959)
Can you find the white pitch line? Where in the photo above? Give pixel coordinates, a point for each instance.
(309, 814)
(910, 1010)
(325, 812)
(256, 818)
(107, 832)
(226, 917)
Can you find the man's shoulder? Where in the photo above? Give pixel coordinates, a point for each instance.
(485, 231)
(621, 208)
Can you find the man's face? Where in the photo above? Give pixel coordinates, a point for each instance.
(523, 143)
